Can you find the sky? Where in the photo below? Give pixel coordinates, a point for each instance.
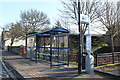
(10, 9)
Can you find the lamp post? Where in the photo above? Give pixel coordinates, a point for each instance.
(80, 46)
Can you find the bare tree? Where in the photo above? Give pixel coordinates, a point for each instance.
(108, 16)
(14, 31)
(118, 16)
(58, 24)
(118, 20)
(88, 7)
(33, 20)
(65, 22)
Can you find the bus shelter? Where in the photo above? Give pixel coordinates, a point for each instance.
(51, 45)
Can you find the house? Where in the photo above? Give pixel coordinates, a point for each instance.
(6, 40)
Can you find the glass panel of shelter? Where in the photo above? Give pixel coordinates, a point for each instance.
(54, 48)
(31, 47)
(58, 48)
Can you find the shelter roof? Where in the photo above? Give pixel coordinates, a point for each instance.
(55, 30)
(47, 33)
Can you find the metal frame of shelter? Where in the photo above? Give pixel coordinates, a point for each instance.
(57, 49)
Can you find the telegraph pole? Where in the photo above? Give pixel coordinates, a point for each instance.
(80, 46)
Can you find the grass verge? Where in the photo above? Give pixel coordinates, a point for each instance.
(107, 65)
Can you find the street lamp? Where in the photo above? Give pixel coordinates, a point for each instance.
(83, 19)
(80, 46)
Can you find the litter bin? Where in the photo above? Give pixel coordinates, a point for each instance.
(89, 63)
(84, 54)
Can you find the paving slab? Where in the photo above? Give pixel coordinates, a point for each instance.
(31, 69)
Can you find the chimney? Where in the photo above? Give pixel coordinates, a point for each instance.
(4, 35)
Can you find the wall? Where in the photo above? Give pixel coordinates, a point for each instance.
(15, 49)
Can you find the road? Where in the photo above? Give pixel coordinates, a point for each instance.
(4, 71)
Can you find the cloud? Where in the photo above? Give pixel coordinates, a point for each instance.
(28, 0)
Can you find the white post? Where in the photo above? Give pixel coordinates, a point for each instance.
(88, 24)
(89, 59)
(88, 37)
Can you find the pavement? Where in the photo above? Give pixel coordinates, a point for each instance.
(0, 66)
(30, 69)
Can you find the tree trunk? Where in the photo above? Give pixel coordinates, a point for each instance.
(112, 47)
(112, 44)
(12, 41)
(83, 43)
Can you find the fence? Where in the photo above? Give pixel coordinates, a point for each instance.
(106, 58)
(101, 58)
